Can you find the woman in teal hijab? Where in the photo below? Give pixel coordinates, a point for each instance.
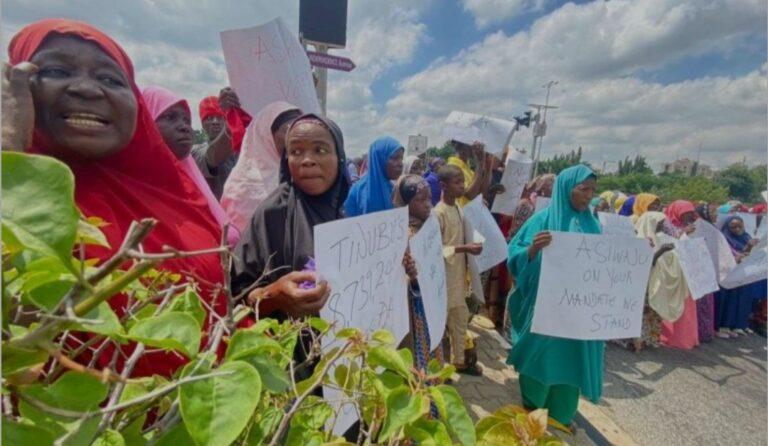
(552, 370)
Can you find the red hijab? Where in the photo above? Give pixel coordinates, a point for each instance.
(237, 119)
(675, 211)
(143, 180)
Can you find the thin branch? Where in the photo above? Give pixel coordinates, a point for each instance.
(144, 398)
(104, 375)
(297, 403)
(171, 253)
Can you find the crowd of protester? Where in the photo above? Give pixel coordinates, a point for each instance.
(271, 178)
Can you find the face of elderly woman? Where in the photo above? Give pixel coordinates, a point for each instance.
(582, 194)
(83, 100)
(312, 158)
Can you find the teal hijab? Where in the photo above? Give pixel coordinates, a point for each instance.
(547, 359)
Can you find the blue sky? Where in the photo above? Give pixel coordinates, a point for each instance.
(655, 77)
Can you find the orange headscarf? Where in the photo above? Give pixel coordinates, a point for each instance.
(142, 180)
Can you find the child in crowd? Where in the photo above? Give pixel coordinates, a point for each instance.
(413, 191)
(455, 251)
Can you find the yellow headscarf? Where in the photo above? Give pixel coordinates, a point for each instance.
(619, 202)
(667, 289)
(642, 201)
(609, 196)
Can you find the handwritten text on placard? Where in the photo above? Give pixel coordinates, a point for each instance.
(592, 287)
(427, 251)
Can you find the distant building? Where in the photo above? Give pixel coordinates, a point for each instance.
(687, 167)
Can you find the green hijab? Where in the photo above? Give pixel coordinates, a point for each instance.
(547, 359)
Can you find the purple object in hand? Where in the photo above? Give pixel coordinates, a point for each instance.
(310, 266)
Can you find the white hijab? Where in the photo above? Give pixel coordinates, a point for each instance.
(667, 289)
(257, 172)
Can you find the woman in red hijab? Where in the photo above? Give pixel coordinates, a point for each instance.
(89, 113)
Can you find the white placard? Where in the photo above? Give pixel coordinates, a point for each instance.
(615, 224)
(717, 245)
(592, 287)
(361, 258)
(765, 195)
(266, 63)
(469, 127)
(427, 252)
(750, 221)
(478, 218)
(752, 268)
(542, 202)
(517, 172)
(762, 230)
(697, 266)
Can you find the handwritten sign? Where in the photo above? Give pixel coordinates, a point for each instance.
(542, 202)
(469, 127)
(517, 171)
(592, 287)
(266, 63)
(478, 218)
(615, 224)
(361, 258)
(717, 245)
(427, 252)
(697, 266)
(750, 221)
(752, 268)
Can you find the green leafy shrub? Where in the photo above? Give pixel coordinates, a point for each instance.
(247, 397)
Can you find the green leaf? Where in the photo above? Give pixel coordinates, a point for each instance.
(145, 312)
(308, 424)
(274, 377)
(38, 206)
(216, 410)
(176, 436)
(452, 410)
(349, 332)
(390, 359)
(188, 302)
(383, 336)
(89, 234)
(16, 358)
(318, 324)
(105, 322)
(15, 433)
(132, 433)
(402, 408)
(109, 438)
(266, 423)
(428, 433)
(170, 331)
(248, 342)
(77, 391)
(486, 424)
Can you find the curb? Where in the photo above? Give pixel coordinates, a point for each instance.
(599, 427)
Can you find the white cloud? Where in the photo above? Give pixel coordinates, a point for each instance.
(596, 51)
(487, 12)
(600, 52)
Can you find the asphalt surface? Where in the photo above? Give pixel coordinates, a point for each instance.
(712, 395)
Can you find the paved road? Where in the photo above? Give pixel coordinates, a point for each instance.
(498, 386)
(712, 395)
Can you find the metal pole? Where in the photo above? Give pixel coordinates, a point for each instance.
(322, 80)
(544, 120)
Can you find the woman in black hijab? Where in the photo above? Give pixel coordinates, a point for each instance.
(279, 243)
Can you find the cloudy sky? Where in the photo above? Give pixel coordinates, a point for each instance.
(656, 77)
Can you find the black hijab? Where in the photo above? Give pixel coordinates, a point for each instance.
(280, 237)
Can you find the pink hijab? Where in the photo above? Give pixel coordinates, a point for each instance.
(257, 172)
(158, 100)
(675, 211)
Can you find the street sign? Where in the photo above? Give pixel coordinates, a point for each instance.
(328, 61)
